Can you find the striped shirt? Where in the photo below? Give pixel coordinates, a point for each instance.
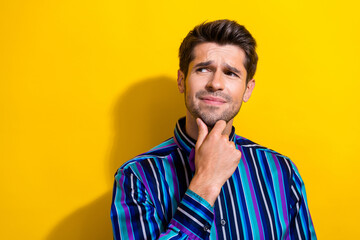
(264, 199)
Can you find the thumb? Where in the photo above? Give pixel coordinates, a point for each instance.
(203, 132)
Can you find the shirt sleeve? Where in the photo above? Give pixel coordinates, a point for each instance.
(301, 225)
(134, 215)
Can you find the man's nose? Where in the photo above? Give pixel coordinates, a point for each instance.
(216, 82)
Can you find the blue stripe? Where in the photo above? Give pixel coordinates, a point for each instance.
(161, 190)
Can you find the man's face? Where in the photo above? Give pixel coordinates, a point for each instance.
(216, 83)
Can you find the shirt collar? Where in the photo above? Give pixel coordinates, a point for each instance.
(184, 141)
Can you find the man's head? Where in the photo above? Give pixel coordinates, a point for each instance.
(217, 63)
(221, 32)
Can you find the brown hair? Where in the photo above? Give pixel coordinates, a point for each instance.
(221, 32)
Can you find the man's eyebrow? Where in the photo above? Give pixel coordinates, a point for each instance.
(231, 68)
(203, 64)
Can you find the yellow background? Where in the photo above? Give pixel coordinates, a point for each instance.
(86, 85)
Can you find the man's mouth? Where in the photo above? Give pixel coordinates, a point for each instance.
(212, 100)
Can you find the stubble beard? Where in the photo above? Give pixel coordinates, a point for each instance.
(209, 114)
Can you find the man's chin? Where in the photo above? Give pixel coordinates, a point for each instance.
(211, 116)
(211, 121)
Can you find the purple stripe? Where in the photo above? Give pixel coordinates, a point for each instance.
(175, 178)
(238, 137)
(256, 206)
(125, 207)
(282, 192)
(144, 181)
(216, 231)
(192, 159)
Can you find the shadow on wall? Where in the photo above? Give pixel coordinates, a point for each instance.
(144, 116)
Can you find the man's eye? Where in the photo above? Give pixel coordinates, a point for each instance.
(231, 74)
(202, 70)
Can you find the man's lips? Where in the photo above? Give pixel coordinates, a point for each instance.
(213, 100)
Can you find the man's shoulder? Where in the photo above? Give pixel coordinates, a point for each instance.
(249, 144)
(255, 151)
(158, 153)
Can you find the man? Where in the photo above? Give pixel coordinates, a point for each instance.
(207, 182)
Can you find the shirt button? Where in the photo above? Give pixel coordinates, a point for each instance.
(206, 227)
(223, 222)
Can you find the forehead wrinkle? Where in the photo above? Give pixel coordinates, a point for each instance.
(223, 52)
(204, 55)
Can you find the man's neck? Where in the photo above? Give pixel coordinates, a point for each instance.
(192, 129)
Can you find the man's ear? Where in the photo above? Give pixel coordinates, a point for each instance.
(248, 91)
(181, 81)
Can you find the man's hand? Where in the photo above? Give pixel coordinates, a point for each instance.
(216, 159)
